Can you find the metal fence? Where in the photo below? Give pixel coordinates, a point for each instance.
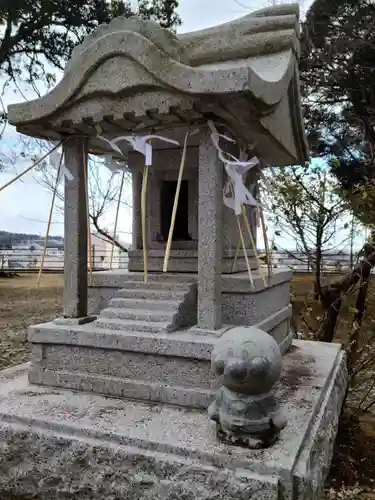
(331, 263)
(30, 260)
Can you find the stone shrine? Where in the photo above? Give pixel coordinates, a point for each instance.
(114, 402)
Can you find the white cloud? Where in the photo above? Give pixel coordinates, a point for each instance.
(25, 207)
(200, 14)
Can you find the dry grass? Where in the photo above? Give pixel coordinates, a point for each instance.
(23, 304)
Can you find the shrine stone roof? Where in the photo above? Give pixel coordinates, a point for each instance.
(132, 76)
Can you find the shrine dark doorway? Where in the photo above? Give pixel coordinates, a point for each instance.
(181, 227)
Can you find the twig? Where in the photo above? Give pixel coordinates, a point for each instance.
(35, 164)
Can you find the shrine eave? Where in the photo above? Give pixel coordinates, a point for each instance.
(133, 76)
(250, 76)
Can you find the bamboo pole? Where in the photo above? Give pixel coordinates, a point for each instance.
(175, 205)
(266, 242)
(85, 173)
(236, 256)
(49, 221)
(242, 240)
(143, 215)
(116, 219)
(35, 164)
(238, 244)
(245, 253)
(252, 241)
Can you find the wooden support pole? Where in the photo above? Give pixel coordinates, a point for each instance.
(86, 173)
(245, 253)
(175, 205)
(247, 224)
(50, 220)
(116, 219)
(143, 215)
(266, 242)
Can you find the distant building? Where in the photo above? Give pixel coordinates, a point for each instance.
(29, 254)
(102, 250)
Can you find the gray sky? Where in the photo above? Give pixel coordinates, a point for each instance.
(25, 204)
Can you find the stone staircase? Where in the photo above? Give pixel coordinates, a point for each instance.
(164, 303)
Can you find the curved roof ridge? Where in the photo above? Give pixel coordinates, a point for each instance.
(163, 38)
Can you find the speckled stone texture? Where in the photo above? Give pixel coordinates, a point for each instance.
(129, 350)
(75, 232)
(248, 309)
(166, 367)
(64, 445)
(241, 304)
(248, 363)
(210, 220)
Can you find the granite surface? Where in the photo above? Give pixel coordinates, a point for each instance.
(75, 231)
(172, 367)
(210, 221)
(62, 444)
(248, 364)
(248, 309)
(242, 304)
(160, 51)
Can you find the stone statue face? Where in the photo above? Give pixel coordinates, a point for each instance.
(247, 365)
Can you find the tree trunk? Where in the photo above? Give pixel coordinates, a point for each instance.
(107, 235)
(352, 244)
(318, 267)
(328, 326)
(360, 309)
(333, 293)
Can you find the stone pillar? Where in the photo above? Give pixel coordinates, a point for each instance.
(75, 232)
(137, 192)
(210, 221)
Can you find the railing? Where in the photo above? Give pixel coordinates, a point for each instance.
(331, 263)
(30, 261)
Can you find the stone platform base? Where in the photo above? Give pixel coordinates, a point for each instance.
(186, 261)
(70, 445)
(172, 368)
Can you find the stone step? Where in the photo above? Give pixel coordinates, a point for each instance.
(150, 304)
(138, 314)
(151, 294)
(155, 285)
(160, 277)
(131, 325)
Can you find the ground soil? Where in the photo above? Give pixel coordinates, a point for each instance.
(22, 304)
(354, 458)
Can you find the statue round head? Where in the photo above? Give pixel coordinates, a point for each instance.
(248, 360)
